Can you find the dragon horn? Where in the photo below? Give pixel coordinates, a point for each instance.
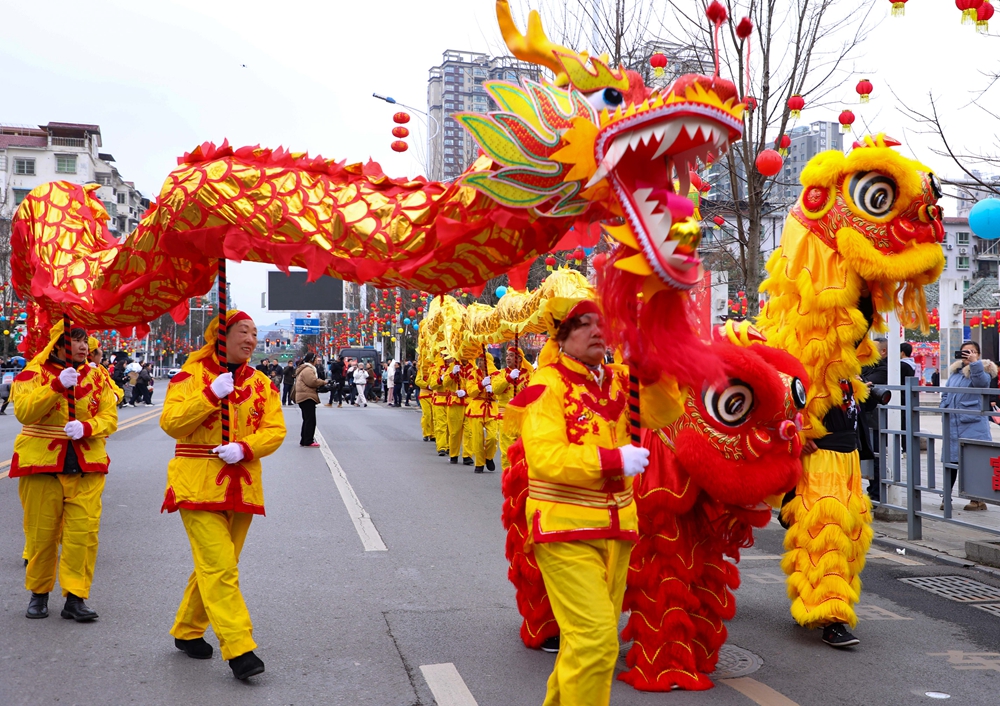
(534, 47)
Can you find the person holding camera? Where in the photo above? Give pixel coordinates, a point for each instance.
(969, 370)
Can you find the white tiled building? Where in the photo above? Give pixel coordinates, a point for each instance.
(33, 155)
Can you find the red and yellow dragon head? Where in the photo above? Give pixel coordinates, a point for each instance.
(865, 222)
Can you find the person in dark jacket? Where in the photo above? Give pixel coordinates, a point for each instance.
(876, 374)
(288, 385)
(397, 384)
(409, 381)
(141, 387)
(969, 371)
(907, 369)
(337, 378)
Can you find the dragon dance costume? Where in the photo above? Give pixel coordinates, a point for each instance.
(425, 398)
(217, 500)
(863, 239)
(61, 475)
(508, 385)
(482, 411)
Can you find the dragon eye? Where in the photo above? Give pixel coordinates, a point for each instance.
(730, 405)
(873, 192)
(935, 186)
(609, 98)
(798, 393)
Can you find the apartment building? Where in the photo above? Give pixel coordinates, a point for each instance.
(34, 155)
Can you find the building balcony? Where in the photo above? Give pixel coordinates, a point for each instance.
(80, 142)
(989, 250)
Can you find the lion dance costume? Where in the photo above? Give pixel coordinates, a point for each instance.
(863, 239)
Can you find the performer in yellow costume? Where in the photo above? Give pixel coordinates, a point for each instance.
(512, 379)
(218, 488)
(450, 382)
(96, 358)
(61, 464)
(425, 397)
(482, 412)
(440, 401)
(581, 516)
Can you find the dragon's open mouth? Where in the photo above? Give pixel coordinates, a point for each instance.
(643, 154)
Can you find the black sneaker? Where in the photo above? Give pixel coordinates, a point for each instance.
(490, 465)
(468, 461)
(38, 606)
(837, 635)
(454, 459)
(550, 645)
(477, 469)
(246, 665)
(196, 648)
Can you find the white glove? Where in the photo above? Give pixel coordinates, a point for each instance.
(487, 381)
(460, 393)
(230, 453)
(74, 430)
(222, 385)
(69, 377)
(456, 369)
(489, 389)
(634, 459)
(515, 373)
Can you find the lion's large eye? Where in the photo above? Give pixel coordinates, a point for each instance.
(609, 98)
(798, 393)
(935, 186)
(730, 405)
(873, 192)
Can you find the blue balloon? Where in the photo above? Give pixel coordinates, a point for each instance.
(588, 251)
(406, 320)
(984, 219)
(501, 290)
(416, 324)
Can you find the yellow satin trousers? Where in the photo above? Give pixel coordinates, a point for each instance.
(426, 416)
(483, 431)
(586, 583)
(213, 593)
(61, 509)
(456, 429)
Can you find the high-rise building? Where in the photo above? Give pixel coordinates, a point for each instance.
(34, 155)
(456, 86)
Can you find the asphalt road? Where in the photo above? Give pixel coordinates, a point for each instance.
(337, 624)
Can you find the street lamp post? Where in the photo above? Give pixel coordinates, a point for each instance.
(428, 116)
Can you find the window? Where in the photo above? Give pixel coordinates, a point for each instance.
(19, 195)
(104, 179)
(449, 142)
(111, 208)
(24, 167)
(121, 197)
(449, 150)
(65, 164)
(946, 262)
(963, 262)
(962, 237)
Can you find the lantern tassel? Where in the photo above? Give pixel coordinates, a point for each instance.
(898, 9)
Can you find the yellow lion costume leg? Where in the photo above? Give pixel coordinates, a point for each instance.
(829, 535)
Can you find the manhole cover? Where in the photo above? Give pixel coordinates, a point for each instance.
(733, 661)
(955, 588)
(993, 608)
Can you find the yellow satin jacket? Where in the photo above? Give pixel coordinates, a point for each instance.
(196, 478)
(480, 403)
(449, 383)
(572, 426)
(505, 387)
(40, 405)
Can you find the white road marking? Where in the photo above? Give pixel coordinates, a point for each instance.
(359, 516)
(447, 685)
(759, 693)
(895, 558)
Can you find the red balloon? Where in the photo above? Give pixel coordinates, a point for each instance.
(769, 162)
(399, 146)
(401, 118)
(400, 131)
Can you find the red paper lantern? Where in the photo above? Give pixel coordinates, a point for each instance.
(659, 62)
(846, 120)
(898, 7)
(769, 163)
(744, 28)
(795, 104)
(983, 14)
(719, 222)
(401, 118)
(550, 262)
(864, 89)
(399, 146)
(782, 144)
(968, 8)
(578, 255)
(751, 103)
(974, 321)
(400, 132)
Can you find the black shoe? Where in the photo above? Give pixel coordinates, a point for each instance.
(196, 648)
(38, 606)
(76, 609)
(837, 635)
(454, 459)
(490, 465)
(550, 645)
(442, 453)
(246, 665)
(426, 439)
(478, 469)
(468, 461)
(26, 563)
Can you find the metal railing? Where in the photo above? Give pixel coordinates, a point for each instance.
(69, 142)
(921, 466)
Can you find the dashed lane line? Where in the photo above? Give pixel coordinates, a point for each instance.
(760, 694)
(131, 423)
(447, 685)
(370, 537)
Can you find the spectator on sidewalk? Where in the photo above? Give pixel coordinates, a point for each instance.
(397, 385)
(969, 371)
(907, 369)
(307, 398)
(362, 380)
(337, 378)
(288, 384)
(409, 381)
